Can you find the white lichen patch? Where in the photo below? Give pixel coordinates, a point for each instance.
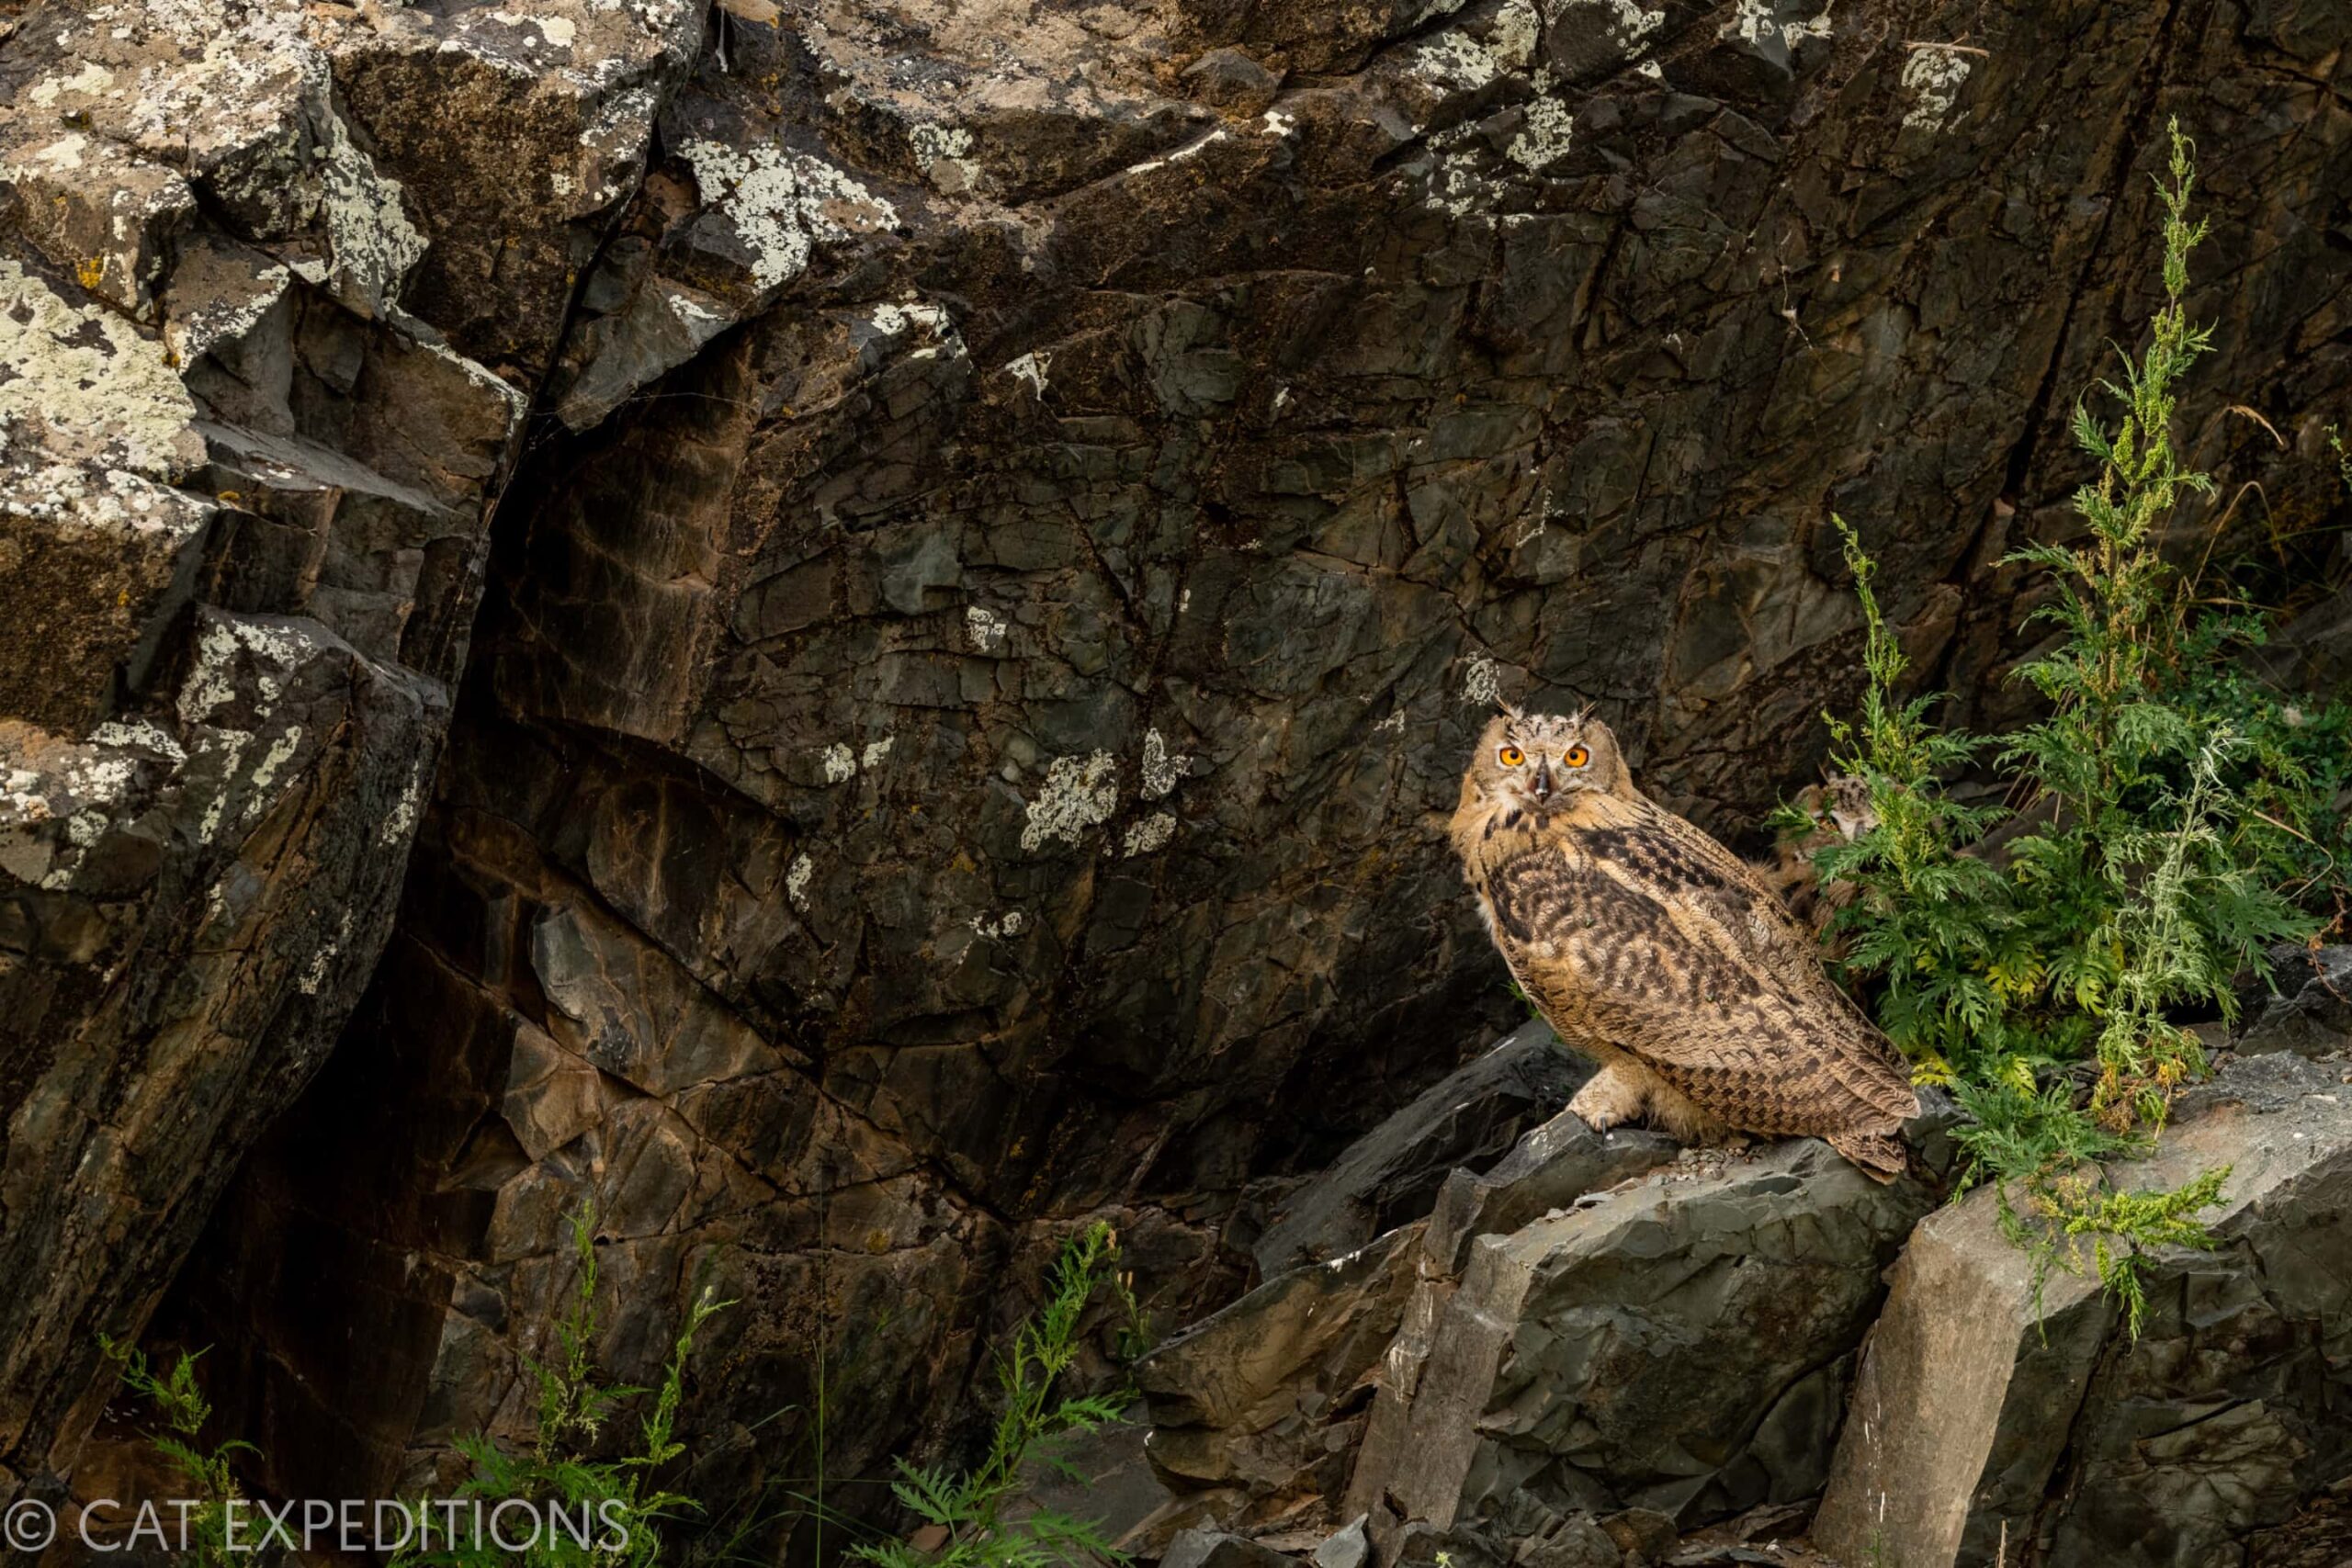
(62, 156)
(1933, 78)
(985, 627)
(195, 331)
(1517, 27)
(230, 744)
(841, 763)
(374, 246)
(84, 385)
(1004, 925)
(1482, 684)
(556, 31)
(314, 974)
(1456, 62)
(1161, 772)
(894, 319)
(88, 82)
(1032, 368)
(782, 204)
(1080, 793)
(796, 881)
(875, 750)
(1152, 833)
(941, 150)
(211, 677)
(401, 820)
(1456, 185)
(137, 734)
(1543, 134)
(1629, 23)
(1758, 21)
(1392, 725)
(207, 684)
(280, 752)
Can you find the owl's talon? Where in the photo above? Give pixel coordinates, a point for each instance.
(1612, 1096)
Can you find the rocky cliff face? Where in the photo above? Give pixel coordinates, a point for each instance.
(1020, 510)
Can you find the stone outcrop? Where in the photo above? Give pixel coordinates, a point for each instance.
(1022, 509)
(1681, 1344)
(1259, 1411)
(1670, 1366)
(2306, 1007)
(1462, 1123)
(1593, 1347)
(243, 505)
(1995, 1417)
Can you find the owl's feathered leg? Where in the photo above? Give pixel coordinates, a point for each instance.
(1624, 1090)
(1618, 1092)
(1676, 1114)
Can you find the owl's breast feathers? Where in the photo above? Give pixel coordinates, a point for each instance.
(1630, 927)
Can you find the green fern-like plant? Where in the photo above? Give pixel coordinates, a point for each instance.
(1929, 928)
(615, 1509)
(207, 1473)
(2154, 862)
(975, 1508)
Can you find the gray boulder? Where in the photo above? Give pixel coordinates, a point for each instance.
(1204, 1548)
(1554, 1166)
(1978, 1421)
(1682, 1344)
(1347, 1547)
(1394, 1173)
(2309, 1010)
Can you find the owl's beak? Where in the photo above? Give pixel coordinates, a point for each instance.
(1543, 781)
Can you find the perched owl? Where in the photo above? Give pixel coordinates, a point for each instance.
(1657, 951)
(1841, 813)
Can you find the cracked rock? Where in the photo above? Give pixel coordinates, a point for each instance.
(1989, 1410)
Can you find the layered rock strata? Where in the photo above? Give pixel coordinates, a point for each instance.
(1025, 510)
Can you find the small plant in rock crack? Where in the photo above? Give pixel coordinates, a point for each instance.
(976, 1508)
(582, 1509)
(2158, 851)
(207, 1530)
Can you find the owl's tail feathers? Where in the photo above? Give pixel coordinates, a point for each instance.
(1882, 1155)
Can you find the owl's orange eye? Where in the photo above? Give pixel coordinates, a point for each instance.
(1510, 756)
(1577, 757)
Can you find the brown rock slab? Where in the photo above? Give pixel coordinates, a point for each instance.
(1266, 1397)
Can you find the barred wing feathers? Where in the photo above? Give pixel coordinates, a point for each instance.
(1643, 932)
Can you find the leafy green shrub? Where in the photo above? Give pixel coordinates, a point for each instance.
(2169, 832)
(618, 1502)
(972, 1507)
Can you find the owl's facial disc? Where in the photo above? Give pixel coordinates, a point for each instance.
(1541, 760)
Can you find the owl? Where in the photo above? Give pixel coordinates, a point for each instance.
(1658, 951)
(1841, 813)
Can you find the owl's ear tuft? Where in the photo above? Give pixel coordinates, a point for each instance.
(1509, 712)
